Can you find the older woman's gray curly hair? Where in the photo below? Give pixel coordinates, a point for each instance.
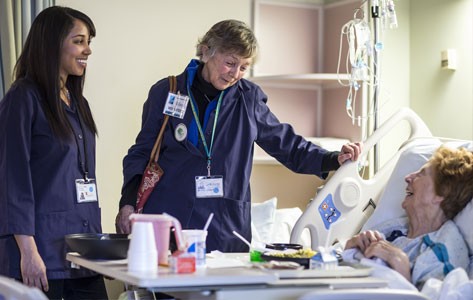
(229, 36)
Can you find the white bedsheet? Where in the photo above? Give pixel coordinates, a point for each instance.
(455, 286)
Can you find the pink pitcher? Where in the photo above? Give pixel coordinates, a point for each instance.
(162, 225)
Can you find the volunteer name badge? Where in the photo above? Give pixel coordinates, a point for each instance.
(86, 190)
(208, 186)
(176, 105)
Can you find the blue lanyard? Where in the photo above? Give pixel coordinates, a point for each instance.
(82, 164)
(208, 150)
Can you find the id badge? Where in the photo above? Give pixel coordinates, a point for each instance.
(86, 190)
(176, 105)
(209, 186)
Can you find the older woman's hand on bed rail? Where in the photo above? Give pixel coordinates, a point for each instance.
(350, 151)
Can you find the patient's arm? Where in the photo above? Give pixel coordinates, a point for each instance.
(363, 240)
(395, 257)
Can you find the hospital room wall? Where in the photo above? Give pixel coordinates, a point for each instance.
(139, 42)
(411, 74)
(442, 98)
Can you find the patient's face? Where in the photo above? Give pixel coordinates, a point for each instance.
(420, 190)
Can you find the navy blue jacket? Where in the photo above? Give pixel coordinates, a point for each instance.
(37, 183)
(243, 120)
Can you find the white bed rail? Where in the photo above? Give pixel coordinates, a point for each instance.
(346, 201)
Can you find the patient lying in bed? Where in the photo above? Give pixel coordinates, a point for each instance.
(426, 243)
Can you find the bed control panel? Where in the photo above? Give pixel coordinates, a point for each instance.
(328, 211)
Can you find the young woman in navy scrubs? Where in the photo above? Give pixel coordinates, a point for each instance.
(47, 158)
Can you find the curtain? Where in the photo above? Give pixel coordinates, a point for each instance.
(16, 17)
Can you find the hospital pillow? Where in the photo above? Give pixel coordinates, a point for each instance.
(463, 219)
(262, 219)
(285, 219)
(415, 156)
(272, 225)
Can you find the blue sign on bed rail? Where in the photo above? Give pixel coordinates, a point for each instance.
(328, 211)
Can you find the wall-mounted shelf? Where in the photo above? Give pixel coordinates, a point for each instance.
(331, 144)
(324, 80)
(265, 160)
(298, 67)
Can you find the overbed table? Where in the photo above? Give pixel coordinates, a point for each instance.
(230, 281)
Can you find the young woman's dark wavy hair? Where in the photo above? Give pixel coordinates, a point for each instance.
(40, 62)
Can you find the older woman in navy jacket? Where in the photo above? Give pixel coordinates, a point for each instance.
(215, 140)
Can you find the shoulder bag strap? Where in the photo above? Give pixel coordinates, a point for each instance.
(157, 145)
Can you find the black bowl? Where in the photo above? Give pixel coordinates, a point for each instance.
(99, 245)
(283, 246)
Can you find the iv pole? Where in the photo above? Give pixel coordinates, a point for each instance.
(390, 13)
(376, 66)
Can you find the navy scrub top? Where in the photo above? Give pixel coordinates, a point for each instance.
(37, 176)
(243, 120)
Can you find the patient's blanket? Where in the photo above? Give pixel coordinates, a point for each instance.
(455, 286)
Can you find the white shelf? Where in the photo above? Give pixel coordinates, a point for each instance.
(302, 80)
(329, 143)
(265, 160)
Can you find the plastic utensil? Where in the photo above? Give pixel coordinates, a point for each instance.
(248, 243)
(208, 221)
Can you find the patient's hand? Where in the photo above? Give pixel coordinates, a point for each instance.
(363, 240)
(392, 255)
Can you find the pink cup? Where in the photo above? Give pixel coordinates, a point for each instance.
(162, 225)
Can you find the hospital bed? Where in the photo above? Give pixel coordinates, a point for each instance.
(348, 203)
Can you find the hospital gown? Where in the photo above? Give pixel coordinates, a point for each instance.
(424, 262)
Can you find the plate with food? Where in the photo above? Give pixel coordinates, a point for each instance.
(301, 256)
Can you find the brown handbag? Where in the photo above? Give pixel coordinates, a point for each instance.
(153, 172)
